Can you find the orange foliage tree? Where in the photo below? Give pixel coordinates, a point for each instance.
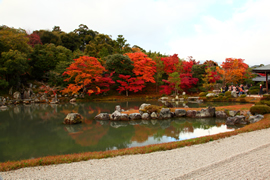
(144, 67)
(233, 70)
(87, 73)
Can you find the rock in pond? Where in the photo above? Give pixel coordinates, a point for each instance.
(102, 116)
(142, 108)
(180, 112)
(135, 116)
(73, 118)
(73, 100)
(165, 113)
(256, 118)
(206, 113)
(221, 114)
(237, 120)
(145, 116)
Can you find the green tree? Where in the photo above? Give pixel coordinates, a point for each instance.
(14, 65)
(48, 37)
(121, 46)
(86, 35)
(46, 57)
(15, 39)
(100, 47)
(71, 41)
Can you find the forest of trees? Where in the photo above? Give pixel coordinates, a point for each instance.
(87, 61)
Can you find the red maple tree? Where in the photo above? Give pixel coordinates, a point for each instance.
(34, 39)
(87, 75)
(144, 67)
(129, 83)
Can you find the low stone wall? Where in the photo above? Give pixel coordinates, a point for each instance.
(232, 117)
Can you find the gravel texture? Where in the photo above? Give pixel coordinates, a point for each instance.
(244, 156)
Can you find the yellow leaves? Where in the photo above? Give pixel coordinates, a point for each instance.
(98, 89)
(90, 91)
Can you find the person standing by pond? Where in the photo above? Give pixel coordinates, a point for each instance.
(261, 90)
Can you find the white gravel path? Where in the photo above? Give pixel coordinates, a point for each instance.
(245, 156)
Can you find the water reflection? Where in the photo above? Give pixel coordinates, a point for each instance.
(36, 130)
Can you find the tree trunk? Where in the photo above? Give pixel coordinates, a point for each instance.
(127, 92)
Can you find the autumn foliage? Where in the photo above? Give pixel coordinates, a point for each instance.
(144, 67)
(233, 70)
(87, 75)
(129, 83)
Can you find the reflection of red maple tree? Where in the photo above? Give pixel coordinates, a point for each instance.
(142, 133)
(90, 135)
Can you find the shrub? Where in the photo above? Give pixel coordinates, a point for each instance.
(254, 87)
(243, 96)
(243, 100)
(265, 102)
(152, 108)
(253, 91)
(228, 94)
(203, 94)
(221, 94)
(260, 109)
(266, 97)
(202, 89)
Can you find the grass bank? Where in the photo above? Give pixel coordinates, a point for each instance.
(48, 160)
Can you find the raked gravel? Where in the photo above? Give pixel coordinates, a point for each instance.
(244, 156)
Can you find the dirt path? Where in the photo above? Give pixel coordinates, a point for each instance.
(245, 156)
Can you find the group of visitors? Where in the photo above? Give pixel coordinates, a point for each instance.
(238, 89)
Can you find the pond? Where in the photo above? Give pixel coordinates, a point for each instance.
(31, 131)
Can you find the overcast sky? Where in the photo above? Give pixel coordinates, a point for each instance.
(204, 29)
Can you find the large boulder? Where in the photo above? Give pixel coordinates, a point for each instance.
(191, 113)
(73, 100)
(206, 113)
(102, 116)
(142, 108)
(145, 116)
(118, 108)
(237, 120)
(73, 118)
(124, 117)
(211, 95)
(180, 112)
(116, 116)
(17, 95)
(154, 115)
(256, 118)
(231, 113)
(221, 114)
(165, 113)
(135, 116)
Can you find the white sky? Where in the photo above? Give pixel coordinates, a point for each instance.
(204, 29)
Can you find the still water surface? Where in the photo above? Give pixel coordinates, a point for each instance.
(30, 131)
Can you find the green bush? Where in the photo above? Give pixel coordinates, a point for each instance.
(265, 102)
(254, 87)
(152, 108)
(203, 94)
(253, 91)
(243, 96)
(228, 93)
(221, 94)
(202, 89)
(266, 97)
(243, 100)
(260, 109)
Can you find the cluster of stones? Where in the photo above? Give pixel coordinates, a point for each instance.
(233, 117)
(28, 96)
